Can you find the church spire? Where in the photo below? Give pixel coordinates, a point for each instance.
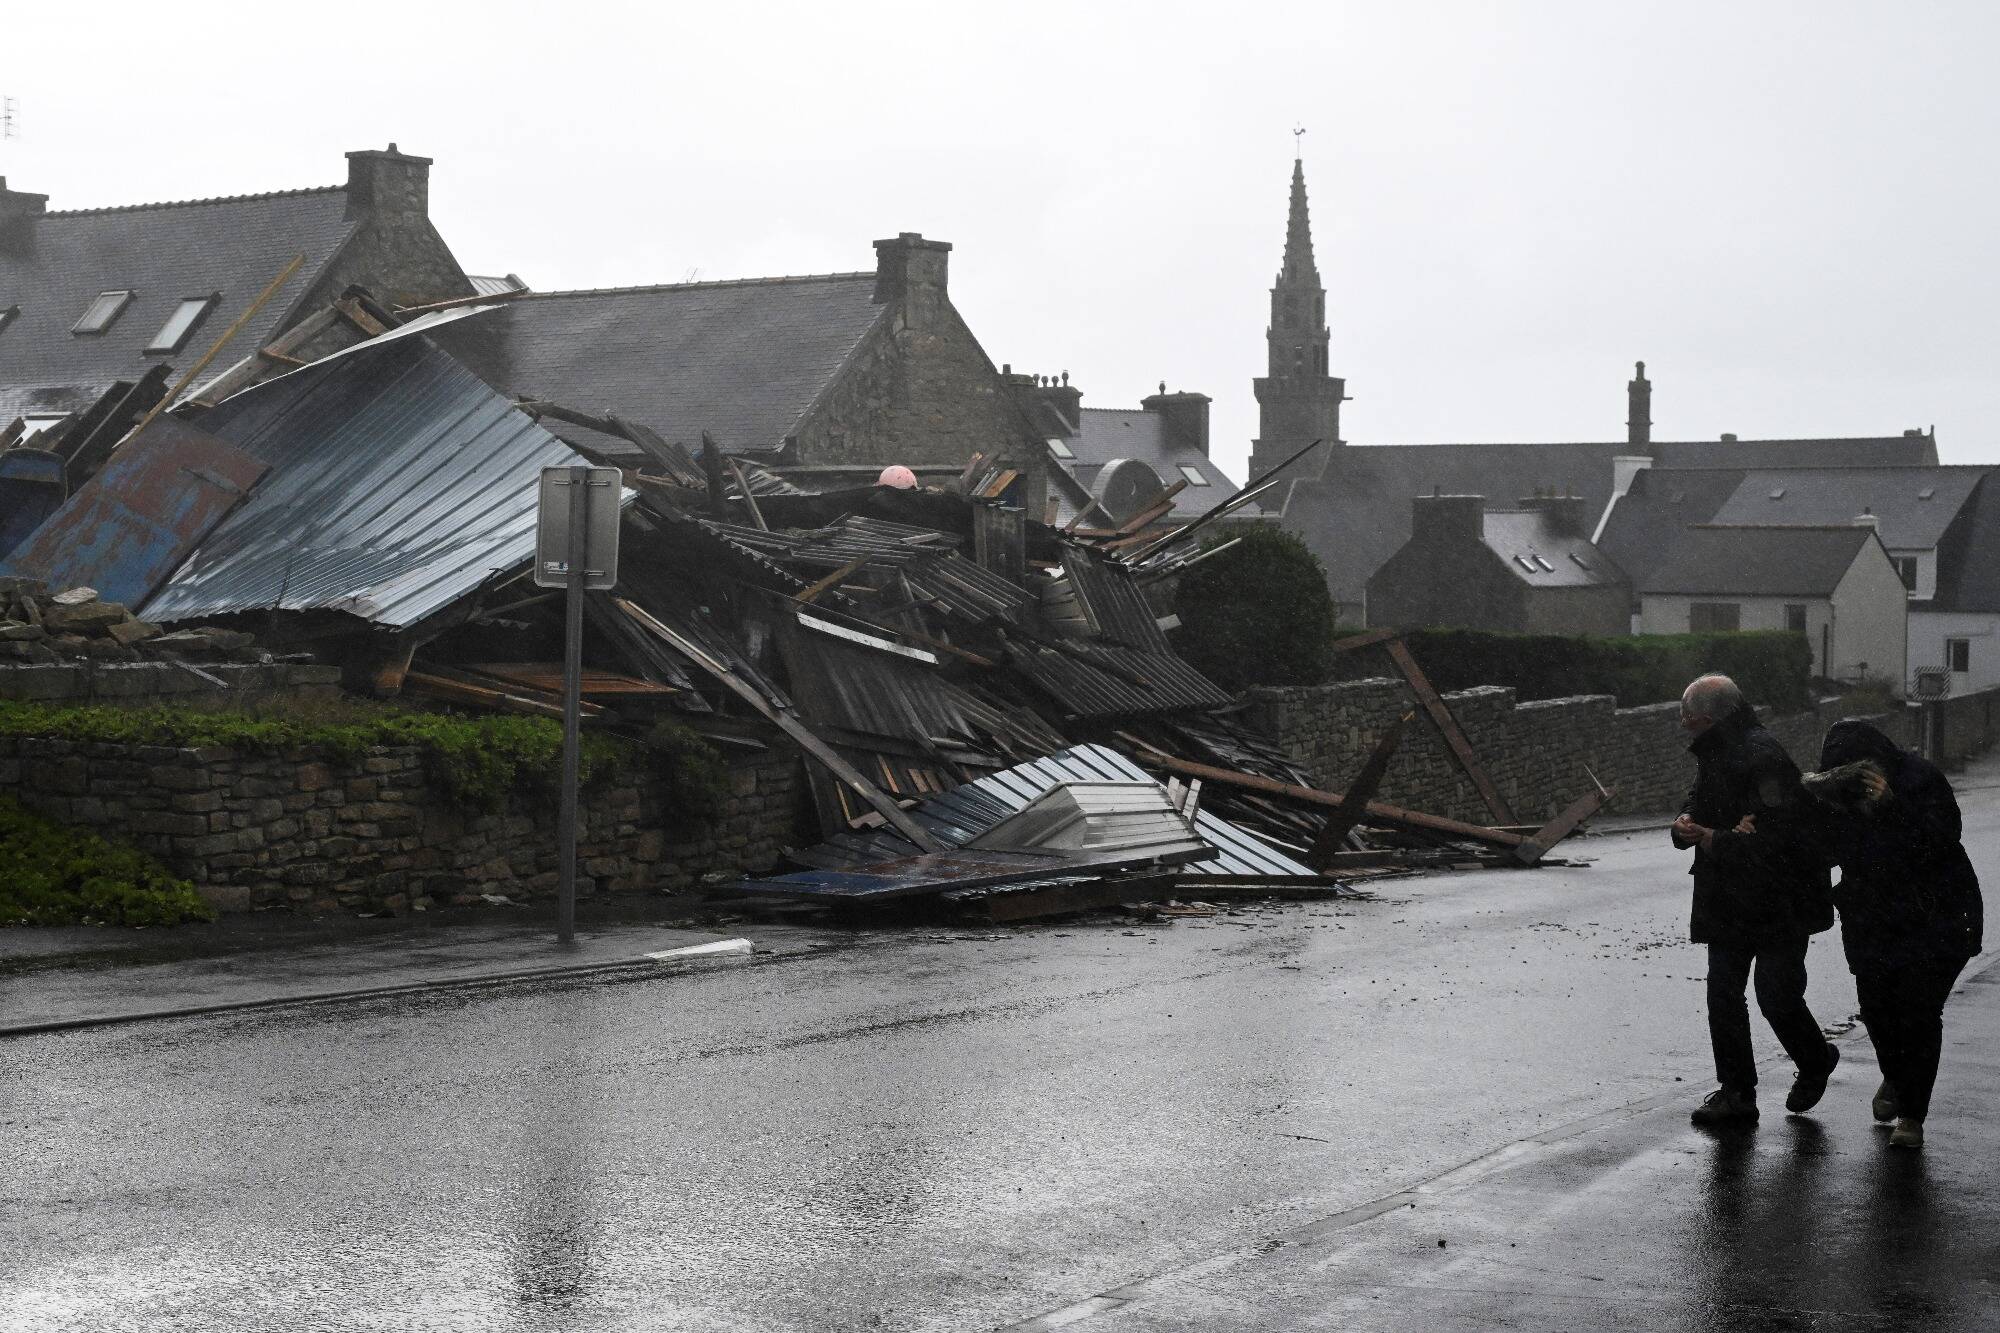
(1298, 398)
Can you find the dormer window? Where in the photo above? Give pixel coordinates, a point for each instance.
(173, 335)
(1778, 494)
(1547, 568)
(1924, 494)
(1060, 449)
(103, 312)
(1525, 563)
(1193, 474)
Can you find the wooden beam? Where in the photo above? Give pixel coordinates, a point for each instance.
(749, 500)
(215, 348)
(1356, 798)
(1583, 807)
(1375, 812)
(351, 310)
(1447, 725)
(1366, 639)
(244, 373)
(787, 722)
(812, 590)
(464, 692)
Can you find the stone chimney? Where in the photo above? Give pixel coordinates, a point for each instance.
(19, 211)
(388, 181)
(1184, 415)
(1447, 519)
(1639, 412)
(1566, 514)
(1050, 391)
(912, 272)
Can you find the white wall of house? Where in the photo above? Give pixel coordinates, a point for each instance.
(1925, 586)
(1871, 621)
(1930, 631)
(1673, 615)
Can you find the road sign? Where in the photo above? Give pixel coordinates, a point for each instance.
(600, 529)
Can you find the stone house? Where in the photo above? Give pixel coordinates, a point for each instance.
(1108, 463)
(824, 379)
(1528, 568)
(91, 297)
(1835, 584)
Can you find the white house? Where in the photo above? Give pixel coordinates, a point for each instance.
(1836, 584)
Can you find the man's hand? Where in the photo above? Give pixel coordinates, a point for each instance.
(1687, 833)
(1747, 824)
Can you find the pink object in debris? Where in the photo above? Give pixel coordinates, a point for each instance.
(898, 476)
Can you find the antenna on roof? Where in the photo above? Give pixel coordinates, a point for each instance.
(9, 108)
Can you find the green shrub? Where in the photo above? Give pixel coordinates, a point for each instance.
(1771, 666)
(695, 773)
(1258, 613)
(56, 876)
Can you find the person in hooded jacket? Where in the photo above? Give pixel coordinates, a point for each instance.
(1760, 895)
(1910, 910)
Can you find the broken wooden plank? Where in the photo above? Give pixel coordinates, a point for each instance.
(749, 500)
(786, 721)
(245, 372)
(228, 335)
(1358, 794)
(1376, 811)
(1365, 639)
(812, 590)
(1447, 725)
(463, 692)
(352, 311)
(1583, 807)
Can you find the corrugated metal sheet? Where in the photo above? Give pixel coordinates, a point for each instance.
(399, 483)
(962, 814)
(133, 523)
(1093, 679)
(1116, 607)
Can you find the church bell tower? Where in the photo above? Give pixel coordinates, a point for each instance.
(1297, 400)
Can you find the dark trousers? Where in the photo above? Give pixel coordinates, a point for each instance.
(1781, 995)
(1904, 1010)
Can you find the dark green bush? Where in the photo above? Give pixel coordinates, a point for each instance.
(1772, 666)
(695, 773)
(56, 876)
(1258, 613)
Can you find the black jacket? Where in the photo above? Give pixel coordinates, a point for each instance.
(1908, 893)
(1766, 887)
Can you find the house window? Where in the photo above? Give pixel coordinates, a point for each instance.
(1060, 449)
(103, 311)
(1958, 654)
(1714, 617)
(8, 315)
(173, 335)
(1795, 617)
(1906, 570)
(1193, 474)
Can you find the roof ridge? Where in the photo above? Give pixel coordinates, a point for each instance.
(688, 286)
(193, 203)
(1781, 527)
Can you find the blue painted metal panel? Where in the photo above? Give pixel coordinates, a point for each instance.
(128, 527)
(31, 488)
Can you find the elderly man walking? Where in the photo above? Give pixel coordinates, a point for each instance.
(1761, 891)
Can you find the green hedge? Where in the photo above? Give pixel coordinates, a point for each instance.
(1256, 614)
(476, 760)
(1772, 666)
(51, 875)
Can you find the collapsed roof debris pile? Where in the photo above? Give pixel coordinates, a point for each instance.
(992, 715)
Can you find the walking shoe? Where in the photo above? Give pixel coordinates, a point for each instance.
(1808, 1088)
(1908, 1133)
(1884, 1105)
(1726, 1106)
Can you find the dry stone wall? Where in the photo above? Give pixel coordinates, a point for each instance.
(309, 830)
(1537, 753)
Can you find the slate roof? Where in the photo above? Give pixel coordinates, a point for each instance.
(743, 360)
(1106, 434)
(1560, 560)
(1649, 519)
(1912, 506)
(1715, 561)
(1969, 561)
(162, 253)
(1356, 513)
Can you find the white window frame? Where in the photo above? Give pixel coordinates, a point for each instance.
(113, 302)
(189, 312)
(1194, 475)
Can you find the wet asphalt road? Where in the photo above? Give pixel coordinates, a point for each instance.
(947, 1131)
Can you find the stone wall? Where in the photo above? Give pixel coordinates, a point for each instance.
(142, 683)
(1536, 753)
(310, 830)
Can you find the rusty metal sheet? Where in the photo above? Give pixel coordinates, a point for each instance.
(128, 528)
(31, 488)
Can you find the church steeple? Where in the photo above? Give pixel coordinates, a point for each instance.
(1298, 400)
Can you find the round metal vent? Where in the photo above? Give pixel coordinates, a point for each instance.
(1126, 486)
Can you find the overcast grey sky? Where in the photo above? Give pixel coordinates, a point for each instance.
(1786, 209)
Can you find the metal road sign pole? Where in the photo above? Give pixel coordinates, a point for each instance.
(579, 495)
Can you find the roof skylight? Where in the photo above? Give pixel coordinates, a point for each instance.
(173, 335)
(1193, 474)
(103, 312)
(1060, 448)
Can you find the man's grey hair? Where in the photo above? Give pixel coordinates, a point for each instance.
(1712, 697)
